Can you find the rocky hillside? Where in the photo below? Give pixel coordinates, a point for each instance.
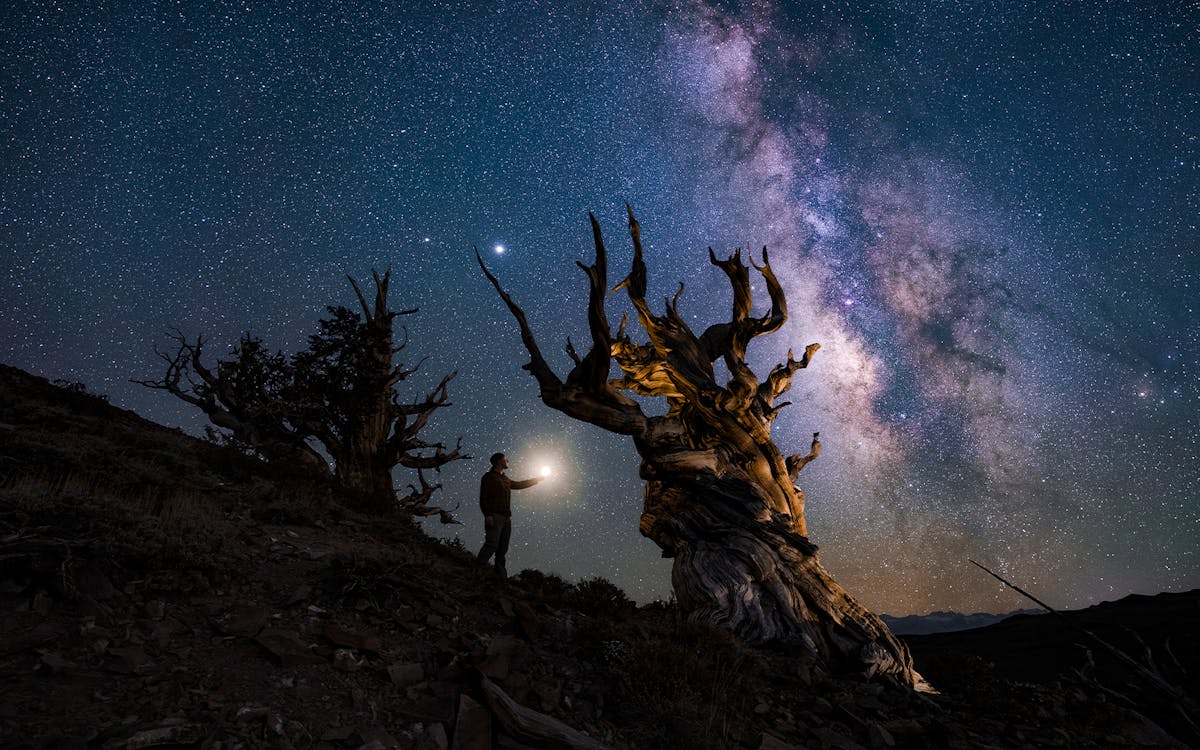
(157, 591)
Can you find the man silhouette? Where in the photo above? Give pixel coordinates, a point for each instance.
(495, 500)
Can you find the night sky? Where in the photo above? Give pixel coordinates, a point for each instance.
(986, 213)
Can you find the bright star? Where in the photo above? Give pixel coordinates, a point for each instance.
(499, 249)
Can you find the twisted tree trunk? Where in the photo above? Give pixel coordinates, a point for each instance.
(373, 430)
(720, 498)
(743, 565)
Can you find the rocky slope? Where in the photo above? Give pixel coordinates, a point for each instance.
(160, 592)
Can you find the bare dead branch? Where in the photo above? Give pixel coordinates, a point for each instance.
(440, 456)
(399, 373)
(796, 461)
(586, 395)
(779, 381)
(537, 363)
(570, 350)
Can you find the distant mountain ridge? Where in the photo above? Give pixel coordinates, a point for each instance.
(948, 622)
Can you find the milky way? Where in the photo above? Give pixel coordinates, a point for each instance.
(985, 213)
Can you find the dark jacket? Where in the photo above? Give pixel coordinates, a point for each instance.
(495, 493)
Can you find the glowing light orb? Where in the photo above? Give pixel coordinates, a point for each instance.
(499, 249)
(545, 471)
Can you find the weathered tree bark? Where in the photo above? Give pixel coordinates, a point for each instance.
(720, 498)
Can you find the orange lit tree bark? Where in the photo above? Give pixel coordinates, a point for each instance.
(720, 498)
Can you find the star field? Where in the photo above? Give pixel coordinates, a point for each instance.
(985, 212)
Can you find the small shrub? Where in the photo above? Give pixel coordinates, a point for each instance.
(545, 585)
(377, 582)
(598, 596)
(454, 548)
(663, 606)
(78, 388)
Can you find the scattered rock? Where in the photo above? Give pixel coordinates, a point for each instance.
(507, 645)
(804, 672)
(527, 621)
(878, 737)
(155, 609)
(344, 660)
(1143, 732)
(374, 738)
(271, 719)
(42, 603)
(101, 613)
(349, 639)
(496, 666)
(549, 693)
(406, 674)
(909, 730)
(127, 660)
(20, 631)
(93, 584)
(54, 663)
(244, 620)
(287, 649)
(433, 738)
(472, 726)
(833, 740)
(771, 742)
(171, 732)
(298, 595)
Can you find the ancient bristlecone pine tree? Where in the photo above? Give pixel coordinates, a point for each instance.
(341, 393)
(720, 498)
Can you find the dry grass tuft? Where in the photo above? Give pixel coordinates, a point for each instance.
(170, 507)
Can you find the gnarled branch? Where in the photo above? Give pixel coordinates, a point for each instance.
(796, 461)
(587, 394)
